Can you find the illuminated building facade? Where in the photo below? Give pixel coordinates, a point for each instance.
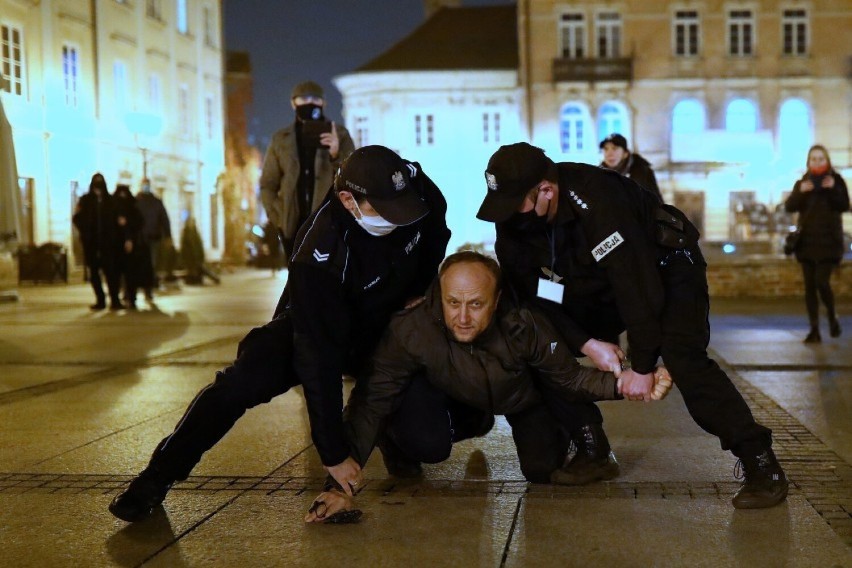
(127, 88)
(723, 98)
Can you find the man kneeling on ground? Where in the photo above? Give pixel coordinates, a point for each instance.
(465, 346)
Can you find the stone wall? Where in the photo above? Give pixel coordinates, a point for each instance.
(766, 277)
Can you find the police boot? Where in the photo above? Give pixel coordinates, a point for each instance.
(593, 461)
(764, 483)
(396, 462)
(144, 493)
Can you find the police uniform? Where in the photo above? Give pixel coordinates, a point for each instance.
(342, 289)
(604, 247)
(613, 245)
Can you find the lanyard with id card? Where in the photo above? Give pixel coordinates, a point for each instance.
(551, 289)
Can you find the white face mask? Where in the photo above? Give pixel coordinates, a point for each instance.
(377, 226)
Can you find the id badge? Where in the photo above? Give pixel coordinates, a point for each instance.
(550, 290)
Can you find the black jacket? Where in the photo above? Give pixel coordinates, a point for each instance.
(343, 287)
(820, 219)
(495, 373)
(606, 214)
(97, 223)
(155, 218)
(639, 170)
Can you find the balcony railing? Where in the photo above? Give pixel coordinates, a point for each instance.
(593, 70)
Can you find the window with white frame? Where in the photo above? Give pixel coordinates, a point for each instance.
(424, 129)
(155, 94)
(490, 127)
(209, 27)
(184, 118)
(12, 59)
(572, 27)
(612, 119)
(573, 128)
(608, 30)
(687, 33)
(794, 26)
(689, 117)
(181, 17)
(362, 131)
(119, 84)
(70, 74)
(741, 33)
(209, 116)
(741, 116)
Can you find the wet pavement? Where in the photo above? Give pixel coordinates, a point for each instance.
(84, 397)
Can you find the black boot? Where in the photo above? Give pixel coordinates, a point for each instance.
(593, 461)
(834, 326)
(764, 483)
(144, 493)
(396, 462)
(813, 336)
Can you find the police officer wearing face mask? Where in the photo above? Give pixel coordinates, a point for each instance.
(371, 248)
(300, 163)
(591, 247)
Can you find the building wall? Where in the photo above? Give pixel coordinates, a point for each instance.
(60, 145)
(383, 108)
(715, 162)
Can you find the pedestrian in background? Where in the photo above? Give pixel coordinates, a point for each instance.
(156, 230)
(96, 221)
(618, 158)
(300, 163)
(134, 258)
(820, 198)
(192, 253)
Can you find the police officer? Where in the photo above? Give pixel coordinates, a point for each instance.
(373, 246)
(573, 248)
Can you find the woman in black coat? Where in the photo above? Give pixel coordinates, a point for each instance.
(820, 198)
(95, 219)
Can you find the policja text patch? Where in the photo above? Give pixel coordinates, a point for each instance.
(607, 245)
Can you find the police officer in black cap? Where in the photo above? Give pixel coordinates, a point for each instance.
(590, 247)
(371, 248)
(618, 158)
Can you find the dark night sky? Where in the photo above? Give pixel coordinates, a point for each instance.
(294, 40)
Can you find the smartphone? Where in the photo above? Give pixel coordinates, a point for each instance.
(312, 129)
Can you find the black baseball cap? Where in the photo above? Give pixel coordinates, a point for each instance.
(512, 172)
(385, 179)
(616, 139)
(306, 89)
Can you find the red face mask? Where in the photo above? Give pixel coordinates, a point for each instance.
(820, 170)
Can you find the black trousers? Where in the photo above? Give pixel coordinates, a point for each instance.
(817, 277)
(262, 370)
(427, 422)
(711, 398)
(95, 267)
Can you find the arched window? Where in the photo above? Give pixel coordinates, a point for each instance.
(741, 116)
(612, 118)
(689, 117)
(795, 133)
(573, 128)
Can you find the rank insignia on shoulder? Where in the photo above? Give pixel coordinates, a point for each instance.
(319, 256)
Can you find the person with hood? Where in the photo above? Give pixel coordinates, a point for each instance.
(820, 198)
(469, 342)
(300, 163)
(372, 247)
(618, 158)
(95, 218)
(156, 230)
(134, 263)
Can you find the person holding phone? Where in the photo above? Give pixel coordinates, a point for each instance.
(300, 162)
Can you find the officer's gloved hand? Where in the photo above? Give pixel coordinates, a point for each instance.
(605, 356)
